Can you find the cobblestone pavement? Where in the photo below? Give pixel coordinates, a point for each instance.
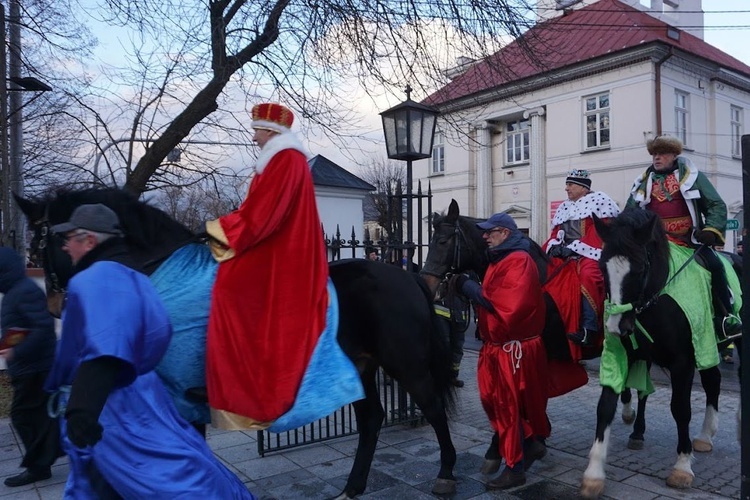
(407, 458)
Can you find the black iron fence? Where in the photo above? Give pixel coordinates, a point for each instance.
(394, 246)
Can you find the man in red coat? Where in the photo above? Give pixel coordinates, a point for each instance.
(269, 300)
(512, 369)
(579, 295)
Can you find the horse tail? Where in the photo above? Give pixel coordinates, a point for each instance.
(440, 354)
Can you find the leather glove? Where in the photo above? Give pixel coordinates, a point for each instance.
(457, 282)
(561, 252)
(83, 428)
(707, 237)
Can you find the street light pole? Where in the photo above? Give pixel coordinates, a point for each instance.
(409, 131)
(4, 157)
(15, 127)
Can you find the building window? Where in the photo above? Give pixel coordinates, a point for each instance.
(517, 150)
(438, 154)
(681, 116)
(596, 117)
(735, 114)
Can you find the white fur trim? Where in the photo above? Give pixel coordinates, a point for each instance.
(595, 202)
(275, 145)
(644, 198)
(269, 125)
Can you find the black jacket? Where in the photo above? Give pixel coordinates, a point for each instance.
(24, 305)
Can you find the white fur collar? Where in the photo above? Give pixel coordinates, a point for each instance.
(275, 145)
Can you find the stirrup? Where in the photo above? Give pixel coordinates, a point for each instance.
(731, 328)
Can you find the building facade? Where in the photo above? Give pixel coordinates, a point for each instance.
(601, 79)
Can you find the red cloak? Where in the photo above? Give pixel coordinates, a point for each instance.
(269, 301)
(512, 369)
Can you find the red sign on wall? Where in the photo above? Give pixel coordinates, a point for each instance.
(553, 208)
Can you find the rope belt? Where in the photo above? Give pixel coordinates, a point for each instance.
(514, 349)
(58, 402)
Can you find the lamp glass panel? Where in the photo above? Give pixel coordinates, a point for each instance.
(389, 127)
(402, 131)
(428, 133)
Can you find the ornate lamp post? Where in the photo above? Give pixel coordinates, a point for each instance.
(409, 131)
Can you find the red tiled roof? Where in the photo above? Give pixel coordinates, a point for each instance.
(600, 29)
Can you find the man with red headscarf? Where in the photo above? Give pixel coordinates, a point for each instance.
(269, 301)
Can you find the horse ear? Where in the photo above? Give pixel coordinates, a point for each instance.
(452, 211)
(602, 228)
(32, 211)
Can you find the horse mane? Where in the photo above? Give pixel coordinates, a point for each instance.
(634, 231)
(477, 245)
(145, 226)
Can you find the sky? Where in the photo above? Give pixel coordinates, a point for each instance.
(727, 26)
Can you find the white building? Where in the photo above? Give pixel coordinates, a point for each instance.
(339, 195)
(601, 78)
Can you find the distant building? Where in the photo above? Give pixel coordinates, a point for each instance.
(340, 196)
(585, 88)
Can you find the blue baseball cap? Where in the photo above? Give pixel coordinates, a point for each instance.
(498, 220)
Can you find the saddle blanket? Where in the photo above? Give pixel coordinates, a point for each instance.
(691, 290)
(184, 282)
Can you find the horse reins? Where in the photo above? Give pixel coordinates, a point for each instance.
(652, 300)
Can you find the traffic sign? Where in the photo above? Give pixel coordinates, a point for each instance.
(733, 224)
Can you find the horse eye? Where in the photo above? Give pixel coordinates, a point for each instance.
(43, 231)
(42, 244)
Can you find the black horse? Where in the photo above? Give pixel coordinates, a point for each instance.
(386, 317)
(635, 262)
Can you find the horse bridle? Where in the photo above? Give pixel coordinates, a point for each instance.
(641, 304)
(44, 244)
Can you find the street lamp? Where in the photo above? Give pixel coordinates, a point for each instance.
(11, 128)
(409, 130)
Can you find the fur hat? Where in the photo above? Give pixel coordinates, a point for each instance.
(272, 116)
(580, 177)
(664, 144)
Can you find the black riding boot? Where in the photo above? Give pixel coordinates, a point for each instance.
(727, 324)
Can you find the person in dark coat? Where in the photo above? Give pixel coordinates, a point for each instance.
(24, 306)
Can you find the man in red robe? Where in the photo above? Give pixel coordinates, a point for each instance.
(269, 300)
(578, 291)
(512, 369)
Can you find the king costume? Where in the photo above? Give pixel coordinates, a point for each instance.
(579, 279)
(269, 300)
(146, 449)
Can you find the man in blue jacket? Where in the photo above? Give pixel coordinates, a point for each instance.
(121, 430)
(24, 307)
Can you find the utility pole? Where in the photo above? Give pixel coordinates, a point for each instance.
(17, 226)
(4, 158)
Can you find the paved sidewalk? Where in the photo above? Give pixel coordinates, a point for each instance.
(406, 461)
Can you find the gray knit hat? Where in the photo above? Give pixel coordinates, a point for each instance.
(97, 218)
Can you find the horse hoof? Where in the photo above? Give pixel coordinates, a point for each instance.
(680, 479)
(628, 418)
(592, 488)
(702, 446)
(491, 466)
(444, 487)
(635, 444)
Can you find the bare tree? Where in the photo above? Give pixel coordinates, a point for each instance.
(195, 67)
(389, 178)
(194, 205)
(304, 53)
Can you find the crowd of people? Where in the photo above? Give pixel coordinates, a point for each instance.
(108, 408)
